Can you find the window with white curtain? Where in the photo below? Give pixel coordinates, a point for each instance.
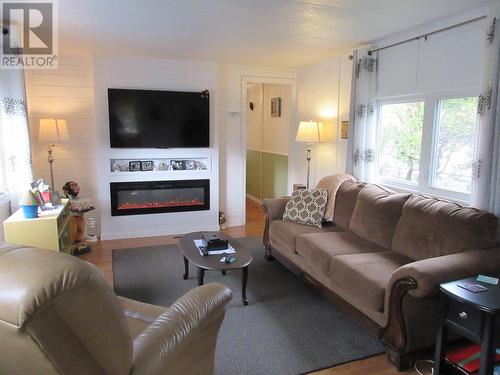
(426, 143)
(426, 110)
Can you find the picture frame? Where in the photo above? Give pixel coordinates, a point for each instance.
(147, 165)
(37, 186)
(344, 130)
(178, 165)
(275, 107)
(134, 166)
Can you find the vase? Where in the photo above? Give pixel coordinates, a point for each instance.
(30, 212)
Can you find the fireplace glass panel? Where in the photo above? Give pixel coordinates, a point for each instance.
(149, 197)
(157, 198)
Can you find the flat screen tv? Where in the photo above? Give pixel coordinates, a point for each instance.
(158, 119)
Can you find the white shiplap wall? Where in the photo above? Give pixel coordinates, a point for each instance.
(323, 94)
(69, 93)
(66, 93)
(159, 74)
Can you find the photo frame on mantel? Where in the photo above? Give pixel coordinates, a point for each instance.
(134, 166)
(147, 165)
(275, 107)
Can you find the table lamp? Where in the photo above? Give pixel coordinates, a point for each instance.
(310, 132)
(53, 131)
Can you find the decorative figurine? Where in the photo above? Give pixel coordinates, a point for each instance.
(78, 207)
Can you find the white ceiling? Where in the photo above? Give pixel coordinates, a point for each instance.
(286, 33)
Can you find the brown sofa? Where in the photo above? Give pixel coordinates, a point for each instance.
(58, 315)
(384, 257)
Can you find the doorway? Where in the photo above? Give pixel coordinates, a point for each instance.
(269, 116)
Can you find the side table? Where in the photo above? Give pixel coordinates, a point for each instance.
(473, 316)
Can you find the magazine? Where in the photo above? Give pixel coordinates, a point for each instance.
(200, 245)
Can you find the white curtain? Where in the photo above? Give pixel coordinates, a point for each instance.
(15, 142)
(361, 145)
(486, 171)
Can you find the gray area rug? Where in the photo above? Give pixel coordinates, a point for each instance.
(286, 329)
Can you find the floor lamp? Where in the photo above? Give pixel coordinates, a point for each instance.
(53, 131)
(310, 132)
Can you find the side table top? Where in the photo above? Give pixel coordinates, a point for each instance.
(212, 262)
(488, 301)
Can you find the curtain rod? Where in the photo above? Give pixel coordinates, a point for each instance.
(427, 34)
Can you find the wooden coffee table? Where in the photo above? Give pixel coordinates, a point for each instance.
(212, 262)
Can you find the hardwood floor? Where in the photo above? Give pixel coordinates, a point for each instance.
(101, 257)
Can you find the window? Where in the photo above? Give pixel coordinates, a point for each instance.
(454, 144)
(400, 140)
(427, 143)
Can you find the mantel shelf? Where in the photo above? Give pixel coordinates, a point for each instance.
(159, 166)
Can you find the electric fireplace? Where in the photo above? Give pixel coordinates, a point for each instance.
(151, 197)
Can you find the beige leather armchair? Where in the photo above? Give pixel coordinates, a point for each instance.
(58, 315)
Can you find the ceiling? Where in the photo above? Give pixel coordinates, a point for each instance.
(285, 33)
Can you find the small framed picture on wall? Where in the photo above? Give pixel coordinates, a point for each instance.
(344, 130)
(276, 107)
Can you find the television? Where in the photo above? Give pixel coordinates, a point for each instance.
(158, 119)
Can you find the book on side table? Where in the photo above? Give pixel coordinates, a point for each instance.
(466, 357)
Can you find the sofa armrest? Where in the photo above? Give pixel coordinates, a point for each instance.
(167, 345)
(273, 210)
(421, 279)
(429, 273)
(275, 207)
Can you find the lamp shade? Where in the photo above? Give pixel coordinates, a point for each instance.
(52, 130)
(309, 131)
(62, 129)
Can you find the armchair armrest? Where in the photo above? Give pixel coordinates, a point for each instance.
(429, 273)
(273, 210)
(182, 340)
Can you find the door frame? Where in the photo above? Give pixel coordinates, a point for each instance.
(245, 80)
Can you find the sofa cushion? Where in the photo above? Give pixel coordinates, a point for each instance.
(332, 184)
(283, 234)
(366, 275)
(377, 213)
(431, 227)
(345, 202)
(319, 248)
(306, 207)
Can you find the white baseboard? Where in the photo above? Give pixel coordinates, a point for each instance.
(161, 232)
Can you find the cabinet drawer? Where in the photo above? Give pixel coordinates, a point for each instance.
(465, 316)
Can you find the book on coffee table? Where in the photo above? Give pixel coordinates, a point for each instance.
(200, 244)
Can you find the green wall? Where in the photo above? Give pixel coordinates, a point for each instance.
(254, 173)
(267, 174)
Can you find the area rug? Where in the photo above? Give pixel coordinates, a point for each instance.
(287, 328)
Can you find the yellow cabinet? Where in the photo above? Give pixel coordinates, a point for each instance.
(51, 230)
